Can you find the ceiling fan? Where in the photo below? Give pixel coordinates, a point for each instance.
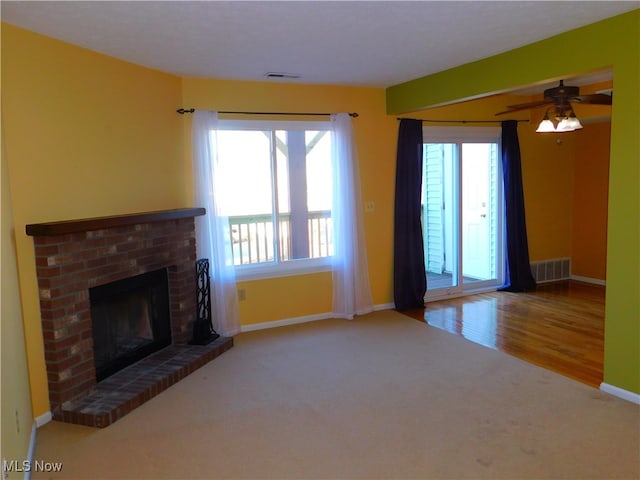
(561, 98)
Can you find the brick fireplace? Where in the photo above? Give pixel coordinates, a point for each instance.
(74, 256)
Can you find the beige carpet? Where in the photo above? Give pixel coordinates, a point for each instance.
(382, 396)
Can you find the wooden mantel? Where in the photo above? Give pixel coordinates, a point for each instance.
(87, 224)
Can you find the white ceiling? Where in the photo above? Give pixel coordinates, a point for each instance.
(366, 43)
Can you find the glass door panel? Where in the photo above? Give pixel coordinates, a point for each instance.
(439, 215)
(479, 212)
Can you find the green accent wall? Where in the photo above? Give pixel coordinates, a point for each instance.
(612, 43)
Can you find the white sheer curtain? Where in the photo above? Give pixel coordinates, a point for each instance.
(212, 230)
(351, 290)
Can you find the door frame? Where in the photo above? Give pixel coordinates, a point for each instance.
(459, 135)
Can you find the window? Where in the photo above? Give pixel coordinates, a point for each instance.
(277, 195)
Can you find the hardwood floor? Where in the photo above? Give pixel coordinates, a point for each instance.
(559, 327)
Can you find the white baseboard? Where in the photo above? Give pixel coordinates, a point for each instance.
(621, 393)
(384, 306)
(43, 419)
(594, 281)
(284, 322)
(29, 458)
(303, 319)
(32, 448)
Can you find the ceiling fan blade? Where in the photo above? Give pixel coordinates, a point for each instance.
(594, 99)
(525, 106)
(537, 103)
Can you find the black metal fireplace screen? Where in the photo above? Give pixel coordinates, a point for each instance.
(203, 331)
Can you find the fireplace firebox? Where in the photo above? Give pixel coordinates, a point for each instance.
(130, 320)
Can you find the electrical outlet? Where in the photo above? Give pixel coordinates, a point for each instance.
(242, 294)
(369, 207)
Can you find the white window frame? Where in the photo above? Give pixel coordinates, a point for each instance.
(276, 269)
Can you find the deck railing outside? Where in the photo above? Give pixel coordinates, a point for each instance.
(252, 237)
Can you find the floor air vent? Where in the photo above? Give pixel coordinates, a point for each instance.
(551, 270)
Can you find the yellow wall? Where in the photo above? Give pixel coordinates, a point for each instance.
(86, 135)
(375, 136)
(591, 180)
(17, 416)
(285, 298)
(547, 172)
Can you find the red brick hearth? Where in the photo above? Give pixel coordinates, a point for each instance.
(74, 256)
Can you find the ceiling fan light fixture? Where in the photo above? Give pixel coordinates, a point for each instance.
(546, 125)
(573, 121)
(564, 126)
(566, 123)
(561, 98)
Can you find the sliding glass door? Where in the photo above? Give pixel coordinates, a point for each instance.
(462, 210)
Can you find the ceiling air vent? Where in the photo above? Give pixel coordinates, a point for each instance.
(281, 75)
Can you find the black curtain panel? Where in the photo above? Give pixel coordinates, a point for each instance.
(409, 277)
(518, 276)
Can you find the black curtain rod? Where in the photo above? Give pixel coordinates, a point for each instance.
(461, 121)
(191, 110)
